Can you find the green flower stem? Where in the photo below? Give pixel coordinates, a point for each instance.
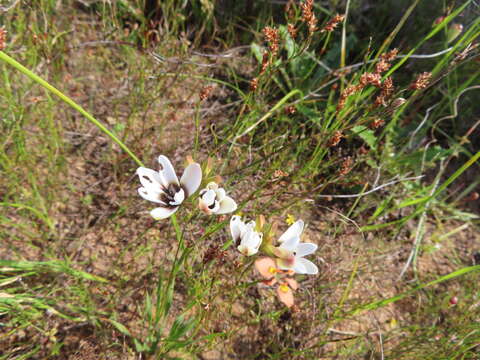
(197, 129)
(178, 231)
(69, 101)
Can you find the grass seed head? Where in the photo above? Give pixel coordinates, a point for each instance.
(254, 84)
(371, 78)
(292, 30)
(422, 81)
(206, 92)
(265, 62)
(308, 16)
(347, 165)
(387, 90)
(352, 89)
(376, 123)
(271, 36)
(335, 139)
(333, 23)
(3, 38)
(290, 110)
(289, 10)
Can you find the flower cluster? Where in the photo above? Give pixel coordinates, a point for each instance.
(284, 258)
(421, 82)
(164, 188)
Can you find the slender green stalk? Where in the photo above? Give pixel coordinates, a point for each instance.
(197, 129)
(69, 101)
(178, 231)
(343, 53)
(377, 304)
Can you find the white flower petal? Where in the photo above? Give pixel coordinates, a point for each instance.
(163, 212)
(150, 196)
(250, 243)
(304, 249)
(178, 197)
(236, 227)
(247, 251)
(220, 192)
(227, 205)
(212, 185)
(299, 267)
(191, 178)
(209, 197)
(295, 230)
(252, 239)
(250, 225)
(150, 179)
(291, 244)
(167, 172)
(310, 268)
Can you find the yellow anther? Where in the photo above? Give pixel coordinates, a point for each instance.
(272, 270)
(290, 219)
(284, 288)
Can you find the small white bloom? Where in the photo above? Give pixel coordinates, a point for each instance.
(163, 187)
(291, 252)
(213, 200)
(245, 236)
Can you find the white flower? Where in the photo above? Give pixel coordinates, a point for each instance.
(245, 236)
(213, 200)
(291, 252)
(163, 187)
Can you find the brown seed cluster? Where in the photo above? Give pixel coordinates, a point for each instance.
(254, 84)
(349, 91)
(332, 23)
(277, 174)
(308, 16)
(385, 60)
(271, 36)
(376, 123)
(371, 78)
(3, 38)
(374, 79)
(289, 9)
(292, 31)
(346, 166)
(335, 139)
(289, 110)
(385, 93)
(214, 252)
(421, 82)
(265, 62)
(206, 92)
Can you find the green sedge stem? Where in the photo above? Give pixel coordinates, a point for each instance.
(69, 101)
(197, 129)
(178, 231)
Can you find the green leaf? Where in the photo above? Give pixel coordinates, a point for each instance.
(366, 135)
(120, 327)
(180, 327)
(257, 52)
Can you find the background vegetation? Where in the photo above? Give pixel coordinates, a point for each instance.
(389, 190)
